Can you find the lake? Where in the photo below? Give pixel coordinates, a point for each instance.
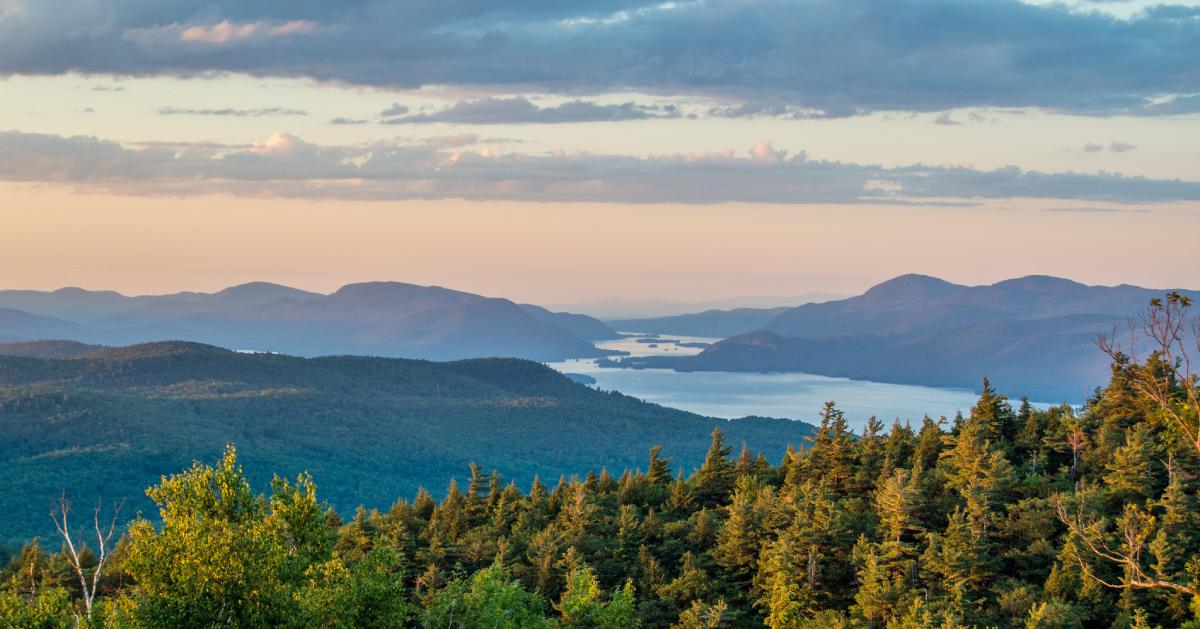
(792, 395)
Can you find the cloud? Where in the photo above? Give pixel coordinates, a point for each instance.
(1172, 11)
(945, 119)
(395, 110)
(284, 165)
(451, 141)
(764, 153)
(823, 58)
(1172, 106)
(518, 110)
(107, 88)
(348, 121)
(1115, 147)
(224, 32)
(227, 111)
(753, 109)
(462, 140)
(1098, 210)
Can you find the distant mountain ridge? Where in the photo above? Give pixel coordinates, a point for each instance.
(618, 308)
(373, 318)
(710, 323)
(109, 421)
(583, 326)
(1035, 334)
(911, 304)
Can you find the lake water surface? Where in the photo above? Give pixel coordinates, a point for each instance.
(792, 395)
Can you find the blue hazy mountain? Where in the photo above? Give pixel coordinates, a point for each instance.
(583, 326)
(18, 325)
(1033, 334)
(374, 318)
(710, 323)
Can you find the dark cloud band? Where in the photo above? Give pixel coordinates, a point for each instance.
(287, 166)
(797, 58)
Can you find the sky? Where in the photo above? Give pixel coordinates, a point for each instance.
(564, 152)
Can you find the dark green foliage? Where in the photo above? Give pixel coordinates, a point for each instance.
(371, 429)
(908, 529)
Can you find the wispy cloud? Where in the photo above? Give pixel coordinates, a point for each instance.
(518, 110)
(1098, 210)
(395, 110)
(1115, 147)
(945, 119)
(229, 111)
(220, 33)
(287, 166)
(462, 140)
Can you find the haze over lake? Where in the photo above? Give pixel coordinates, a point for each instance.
(792, 395)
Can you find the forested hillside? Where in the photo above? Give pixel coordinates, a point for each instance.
(107, 422)
(1002, 517)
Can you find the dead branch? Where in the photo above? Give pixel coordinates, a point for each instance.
(59, 514)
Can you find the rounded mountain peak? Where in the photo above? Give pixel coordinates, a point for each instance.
(912, 287)
(1040, 284)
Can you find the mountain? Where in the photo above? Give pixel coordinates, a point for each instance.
(394, 319)
(1034, 334)
(71, 304)
(375, 318)
(110, 422)
(17, 325)
(87, 307)
(153, 310)
(48, 349)
(916, 304)
(583, 326)
(619, 308)
(710, 323)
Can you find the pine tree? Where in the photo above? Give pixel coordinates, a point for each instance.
(994, 416)
(703, 616)
(1132, 470)
(886, 575)
(956, 565)
(871, 458)
(748, 518)
(717, 475)
(831, 455)
(807, 568)
(659, 470)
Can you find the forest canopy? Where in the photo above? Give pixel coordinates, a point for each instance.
(1006, 516)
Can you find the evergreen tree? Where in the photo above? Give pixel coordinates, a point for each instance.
(717, 475)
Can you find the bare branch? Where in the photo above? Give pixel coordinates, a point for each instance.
(104, 537)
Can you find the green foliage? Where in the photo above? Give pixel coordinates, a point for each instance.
(49, 608)
(370, 429)
(223, 555)
(369, 593)
(968, 526)
(582, 605)
(488, 599)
